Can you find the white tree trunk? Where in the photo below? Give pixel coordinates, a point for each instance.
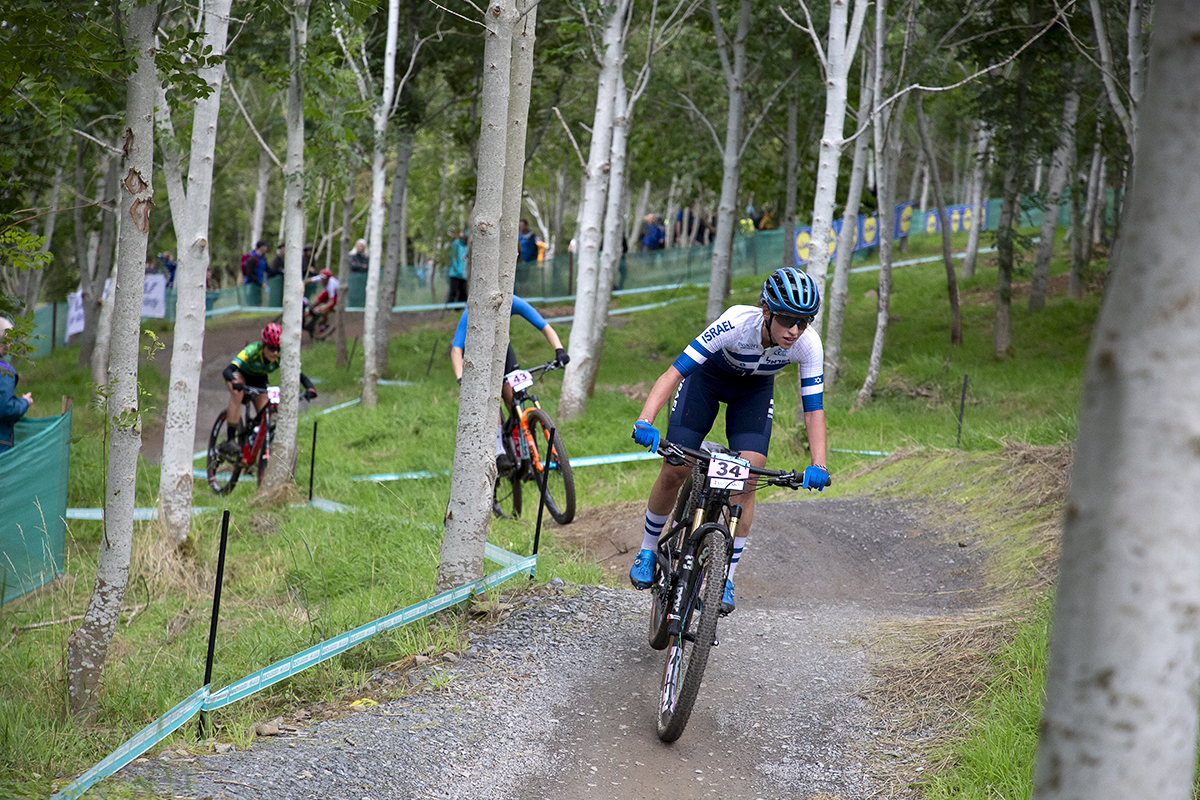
(611, 255)
(99, 361)
(87, 647)
(884, 131)
(343, 270)
(672, 209)
(835, 300)
(34, 276)
(95, 267)
(489, 301)
(573, 398)
(978, 172)
(1120, 718)
(842, 46)
(370, 393)
(397, 249)
(1097, 226)
(731, 156)
(277, 482)
(1060, 167)
(260, 198)
(190, 209)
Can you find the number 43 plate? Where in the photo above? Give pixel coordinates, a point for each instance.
(728, 472)
(519, 379)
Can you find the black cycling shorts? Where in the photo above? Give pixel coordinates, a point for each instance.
(749, 409)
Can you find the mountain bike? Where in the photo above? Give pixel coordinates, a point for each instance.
(522, 434)
(256, 430)
(694, 554)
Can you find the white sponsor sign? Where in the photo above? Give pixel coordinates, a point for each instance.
(154, 303)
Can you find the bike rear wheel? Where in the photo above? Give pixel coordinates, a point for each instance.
(660, 592)
(687, 652)
(222, 474)
(506, 496)
(560, 482)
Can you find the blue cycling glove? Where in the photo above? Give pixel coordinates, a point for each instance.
(646, 435)
(815, 478)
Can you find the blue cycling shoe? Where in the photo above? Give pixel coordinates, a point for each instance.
(727, 604)
(641, 574)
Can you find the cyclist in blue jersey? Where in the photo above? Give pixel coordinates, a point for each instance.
(520, 308)
(734, 361)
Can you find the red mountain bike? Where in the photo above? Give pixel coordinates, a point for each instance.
(254, 437)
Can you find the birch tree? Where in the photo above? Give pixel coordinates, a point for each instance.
(836, 298)
(885, 129)
(844, 31)
(577, 377)
(87, 647)
(939, 197)
(277, 482)
(1061, 165)
(979, 164)
(1124, 100)
(95, 255)
(370, 394)
(190, 206)
(734, 72)
(1120, 717)
(507, 70)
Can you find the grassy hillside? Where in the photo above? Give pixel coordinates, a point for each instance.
(296, 576)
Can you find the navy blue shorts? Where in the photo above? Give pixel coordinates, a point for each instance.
(749, 409)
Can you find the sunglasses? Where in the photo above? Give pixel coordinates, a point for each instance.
(788, 323)
(271, 349)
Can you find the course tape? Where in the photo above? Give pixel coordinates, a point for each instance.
(586, 461)
(205, 700)
(146, 738)
(144, 514)
(860, 452)
(328, 649)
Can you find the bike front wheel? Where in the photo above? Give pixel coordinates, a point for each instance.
(687, 652)
(222, 474)
(555, 467)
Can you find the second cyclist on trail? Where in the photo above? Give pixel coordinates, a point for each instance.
(520, 308)
(251, 367)
(734, 361)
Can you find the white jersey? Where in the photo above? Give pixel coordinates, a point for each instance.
(733, 344)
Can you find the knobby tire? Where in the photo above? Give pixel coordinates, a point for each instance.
(216, 462)
(560, 482)
(685, 661)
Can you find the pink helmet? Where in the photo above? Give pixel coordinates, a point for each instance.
(271, 334)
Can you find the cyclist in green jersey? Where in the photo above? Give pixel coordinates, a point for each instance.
(251, 367)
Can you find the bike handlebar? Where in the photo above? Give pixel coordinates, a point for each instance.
(678, 454)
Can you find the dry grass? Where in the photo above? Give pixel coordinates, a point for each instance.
(929, 671)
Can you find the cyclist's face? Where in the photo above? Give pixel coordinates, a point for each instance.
(786, 330)
(270, 353)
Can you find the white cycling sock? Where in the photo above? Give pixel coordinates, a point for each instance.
(499, 440)
(654, 527)
(739, 544)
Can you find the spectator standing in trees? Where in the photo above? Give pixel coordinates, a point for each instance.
(276, 267)
(458, 269)
(12, 408)
(168, 264)
(254, 265)
(654, 236)
(527, 251)
(307, 268)
(359, 257)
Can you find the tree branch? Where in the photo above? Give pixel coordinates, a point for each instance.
(811, 31)
(571, 136)
(250, 122)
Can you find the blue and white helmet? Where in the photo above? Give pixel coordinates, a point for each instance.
(791, 291)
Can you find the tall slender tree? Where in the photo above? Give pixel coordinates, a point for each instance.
(190, 201)
(87, 647)
(1120, 716)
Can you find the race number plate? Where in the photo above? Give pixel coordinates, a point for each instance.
(519, 379)
(273, 394)
(728, 472)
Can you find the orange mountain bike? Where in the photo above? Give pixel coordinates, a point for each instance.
(526, 437)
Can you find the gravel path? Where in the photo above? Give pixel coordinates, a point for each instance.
(558, 700)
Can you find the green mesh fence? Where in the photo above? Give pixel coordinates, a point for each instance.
(33, 504)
